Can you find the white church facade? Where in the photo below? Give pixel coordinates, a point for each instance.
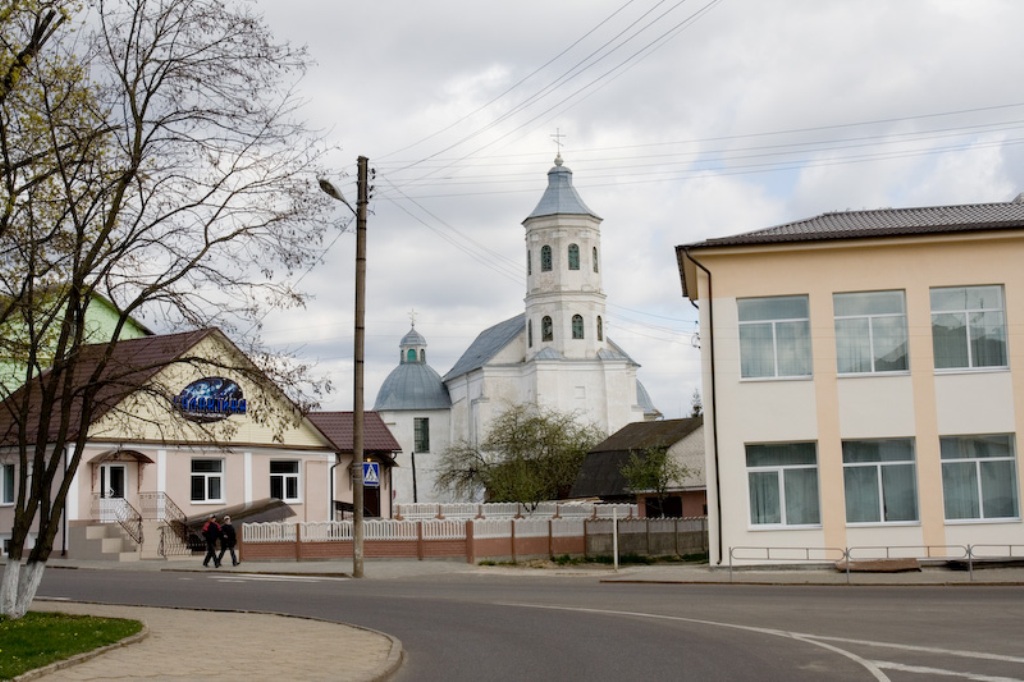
(555, 354)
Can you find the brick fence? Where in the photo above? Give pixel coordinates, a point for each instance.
(474, 539)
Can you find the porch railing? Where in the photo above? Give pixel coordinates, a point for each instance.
(158, 505)
(118, 509)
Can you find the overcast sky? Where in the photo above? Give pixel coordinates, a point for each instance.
(682, 120)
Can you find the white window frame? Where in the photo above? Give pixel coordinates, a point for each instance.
(8, 485)
(979, 463)
(774, 325)
(207, 477)
(968, 312)
(287, 477)
(872, 319)
(880, 468)
(781, 471)
(418, 424)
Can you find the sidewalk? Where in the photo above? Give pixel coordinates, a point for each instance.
(182, 644)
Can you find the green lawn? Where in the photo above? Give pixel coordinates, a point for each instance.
(39, 639)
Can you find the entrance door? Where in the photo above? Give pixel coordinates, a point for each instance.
(112, 490)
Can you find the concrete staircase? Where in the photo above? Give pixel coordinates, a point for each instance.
(94, 541)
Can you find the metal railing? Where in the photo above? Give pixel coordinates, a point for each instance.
(111, 509)
(969, 554)
(158, 505)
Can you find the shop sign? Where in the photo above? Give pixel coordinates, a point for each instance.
(210, 399)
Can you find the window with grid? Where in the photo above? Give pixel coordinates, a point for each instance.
(968, 327)
(775, 337)
(421, 434)
(880, 480)
(207, 480)
(6, 484)
(547, 332)
(545, 259)
(577, 326)
(284, 480)
(574, 257)
(783, 484)
(871, 332)
(979, 477)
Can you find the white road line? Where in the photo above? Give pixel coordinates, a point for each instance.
(272, 578)
(922, 670)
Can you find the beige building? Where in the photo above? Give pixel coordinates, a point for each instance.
(186, 426)
(863, 382)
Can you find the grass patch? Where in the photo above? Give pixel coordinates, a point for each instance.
(39, 639)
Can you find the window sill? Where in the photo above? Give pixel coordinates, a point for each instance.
(199, 503)
(778, 527)
(755, 380)
(975, 522)
(946, 371)
(884, 524)
(865, 375)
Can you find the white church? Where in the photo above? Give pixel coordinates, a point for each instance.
(555, 354)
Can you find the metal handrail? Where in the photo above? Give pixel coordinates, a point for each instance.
(124, 513)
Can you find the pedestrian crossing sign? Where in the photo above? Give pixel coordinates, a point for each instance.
(371, 474)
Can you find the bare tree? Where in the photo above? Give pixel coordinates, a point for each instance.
(530, 455)
(154, 158)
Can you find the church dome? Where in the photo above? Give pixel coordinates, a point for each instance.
(413, 385)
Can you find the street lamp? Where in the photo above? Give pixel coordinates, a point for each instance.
(362, 199)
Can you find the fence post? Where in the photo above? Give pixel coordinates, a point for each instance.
(298, 543)
(419, 540)
(551, 538)
(470, 542)
(512, 537)
(586, 543)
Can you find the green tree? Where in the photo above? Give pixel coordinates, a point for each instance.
(153, 157)
(530, 455)
(653, 470)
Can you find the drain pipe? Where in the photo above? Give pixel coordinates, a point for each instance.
(714, 395)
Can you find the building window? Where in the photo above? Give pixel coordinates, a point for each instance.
(410, 356)
(775, 337)
(871, 332)
(968, 327)
(783, 480)
(6, 484)
(880, 480)
(574, 257)
(546, 329)
(529, 262)
(979, 477)
(529, 333)
(594, 252)
(577, 326)
(600, 328)
(545, 258)
(207, 480)
(421, 434)
(284, 480)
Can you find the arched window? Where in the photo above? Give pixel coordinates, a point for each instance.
(545, 258)
(574, 257)
(600, 328)
(546, 330)
(423, 355)
(410, 355)
(529, 262)
(595, 259)
(577, 326)
(529, 333)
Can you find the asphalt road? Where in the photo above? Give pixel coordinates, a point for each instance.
(538, 627)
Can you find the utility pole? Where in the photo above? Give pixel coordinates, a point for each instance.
(356, 474)
(362, 199)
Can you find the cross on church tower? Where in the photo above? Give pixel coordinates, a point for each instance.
(412, 317)
(557, 137)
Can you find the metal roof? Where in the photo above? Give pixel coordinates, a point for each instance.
(486, 346)
(886, 222)
(412, 386)
(560, 198)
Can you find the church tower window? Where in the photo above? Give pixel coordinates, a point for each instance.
(411, 355)
(529, 333)
(600, 328)
(529, 262)
(546, 330)
(574, 257)
(595, 259)
(545, 258)
(577, 326)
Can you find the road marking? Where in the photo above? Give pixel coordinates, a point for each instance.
(922, 670)
(274, 578)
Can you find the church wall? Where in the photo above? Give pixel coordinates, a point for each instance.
(401, 425)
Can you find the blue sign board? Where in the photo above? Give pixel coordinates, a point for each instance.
(371, 474)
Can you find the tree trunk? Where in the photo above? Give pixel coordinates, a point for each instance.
(19, 587)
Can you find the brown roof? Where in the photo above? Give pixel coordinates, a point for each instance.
(601, 473)
(132, 364)
(886, 222)
(337, 426)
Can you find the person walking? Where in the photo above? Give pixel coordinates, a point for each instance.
(211, 533)
(228, 540)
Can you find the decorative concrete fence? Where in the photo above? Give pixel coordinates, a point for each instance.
(505, 510)
(474, 539)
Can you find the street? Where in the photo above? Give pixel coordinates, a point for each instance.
(480, 626)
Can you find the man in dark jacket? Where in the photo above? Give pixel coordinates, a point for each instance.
(228, 540)
(211, 533)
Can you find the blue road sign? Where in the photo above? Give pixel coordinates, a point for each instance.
(371, 474)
